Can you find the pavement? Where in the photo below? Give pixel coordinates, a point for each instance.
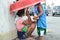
(53, 28)
(53, 24)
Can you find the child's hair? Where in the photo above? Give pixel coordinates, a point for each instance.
(17, 0)
(20, 12)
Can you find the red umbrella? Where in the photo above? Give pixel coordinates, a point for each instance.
(23, 4)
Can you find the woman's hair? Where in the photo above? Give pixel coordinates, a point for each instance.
(20, 12)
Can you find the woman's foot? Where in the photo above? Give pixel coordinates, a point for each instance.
(30, 38)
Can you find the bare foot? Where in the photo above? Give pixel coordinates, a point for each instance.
(30, 38)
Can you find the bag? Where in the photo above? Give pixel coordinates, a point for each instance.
(25, 28)
(35, 32)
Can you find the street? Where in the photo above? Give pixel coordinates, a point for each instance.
(53, 23)
(53, 28)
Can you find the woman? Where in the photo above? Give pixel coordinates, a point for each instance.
(41, 22)
(21, 22)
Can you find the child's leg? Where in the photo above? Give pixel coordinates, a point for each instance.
(41, 33)
(20, 34)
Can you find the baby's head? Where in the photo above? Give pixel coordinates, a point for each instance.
(20, 13)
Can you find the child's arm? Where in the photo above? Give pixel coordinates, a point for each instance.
(25, 22)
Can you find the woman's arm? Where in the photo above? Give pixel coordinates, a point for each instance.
(27, 12)
(40, 10)
(28, 15)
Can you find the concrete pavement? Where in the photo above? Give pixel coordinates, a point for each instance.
(53, 23)
(53, 26)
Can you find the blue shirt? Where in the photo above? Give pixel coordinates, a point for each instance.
(41, 22)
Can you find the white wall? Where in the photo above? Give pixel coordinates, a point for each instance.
(7, 26)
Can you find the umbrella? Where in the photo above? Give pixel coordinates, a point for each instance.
(20, 4)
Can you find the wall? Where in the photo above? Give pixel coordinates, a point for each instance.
(7, 26)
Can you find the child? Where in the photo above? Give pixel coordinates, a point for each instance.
(19, 23)
(41, 22)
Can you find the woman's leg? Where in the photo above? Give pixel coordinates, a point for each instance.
(41, 33)
(31, 29)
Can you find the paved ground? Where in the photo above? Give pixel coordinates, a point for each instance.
(53, 26)
(53, 23)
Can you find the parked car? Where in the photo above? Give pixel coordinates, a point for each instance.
(56, 10)
(47, 12)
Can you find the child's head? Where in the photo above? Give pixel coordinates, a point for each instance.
(17, 0)
(20, 13)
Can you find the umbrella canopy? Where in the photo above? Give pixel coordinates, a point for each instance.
(23, 4)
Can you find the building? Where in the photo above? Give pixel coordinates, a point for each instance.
(7, 26)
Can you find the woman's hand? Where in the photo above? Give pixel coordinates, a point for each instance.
(36, 17)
